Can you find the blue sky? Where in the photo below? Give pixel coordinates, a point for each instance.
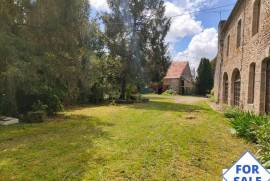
(209, 18)
(193, 34)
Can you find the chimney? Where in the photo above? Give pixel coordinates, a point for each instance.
(221, 26)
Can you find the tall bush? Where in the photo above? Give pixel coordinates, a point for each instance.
(246, 124)
(263, 137)
(232, 112)
(253, 128)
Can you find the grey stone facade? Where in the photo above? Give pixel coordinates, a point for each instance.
(240, 50)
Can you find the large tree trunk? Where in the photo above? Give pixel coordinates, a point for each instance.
(123, 88)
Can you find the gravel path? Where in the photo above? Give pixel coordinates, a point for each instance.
(188, 99)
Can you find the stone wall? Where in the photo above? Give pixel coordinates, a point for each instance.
(253, 49)
(173, 84)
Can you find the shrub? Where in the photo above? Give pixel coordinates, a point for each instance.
(252, 128)
(123, 101)
(54, 104)
(136, 97)
(145, 100)
(39, 106)
(169, 92)
(232, 112)
(263, 140)
(7, 106)
(97, 94)
(246, 124)
(35, 117)
(131, 91)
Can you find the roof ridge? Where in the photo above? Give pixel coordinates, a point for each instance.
(179, 61)
(176, 69)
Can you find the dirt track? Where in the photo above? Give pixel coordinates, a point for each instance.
(188, 99)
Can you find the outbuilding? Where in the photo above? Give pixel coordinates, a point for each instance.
(179, 78)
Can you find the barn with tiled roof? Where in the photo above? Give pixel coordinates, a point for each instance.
(179, 78)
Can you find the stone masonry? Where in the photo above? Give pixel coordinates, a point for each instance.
(245, 51)
(179, 78)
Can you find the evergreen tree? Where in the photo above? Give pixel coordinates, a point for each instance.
(158, 60)
(134, 33)
(53, 53)
(47, 54)
(204, 80)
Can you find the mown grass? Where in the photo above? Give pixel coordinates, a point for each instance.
(159, 140)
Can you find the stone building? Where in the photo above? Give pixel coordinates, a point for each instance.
(242, 76)
(179, 78)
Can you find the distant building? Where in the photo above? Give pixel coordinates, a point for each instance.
(179, 78)
(242, 76)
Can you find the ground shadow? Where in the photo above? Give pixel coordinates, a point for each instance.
(169, 106)
(78, 117)
(59, 124)
(62, 139)
(79, 107)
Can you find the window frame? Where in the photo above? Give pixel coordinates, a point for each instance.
(251, 83)
(239, 34)
(256, 17)
(228, 45)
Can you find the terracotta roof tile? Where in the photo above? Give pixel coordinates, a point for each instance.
(176, 70)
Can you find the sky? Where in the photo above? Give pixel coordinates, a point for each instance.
(193, 33)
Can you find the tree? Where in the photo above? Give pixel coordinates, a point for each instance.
(122, 26)
(47, 55)
(158, 60)
(204, 79)
(52, 52)
(134, 34)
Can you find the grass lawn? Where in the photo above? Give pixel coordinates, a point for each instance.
(159, 140)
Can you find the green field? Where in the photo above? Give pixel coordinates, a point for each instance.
(159, 140)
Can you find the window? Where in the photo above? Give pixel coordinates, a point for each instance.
(228, 45)
(265, 86)
(251, 84)
(239, 34)
(256, 17)
(225, 88)
(236, 88)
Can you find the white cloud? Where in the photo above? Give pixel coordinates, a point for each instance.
(203, 44)
(194, 4)
(99, 5)
(181, 26)
(204, 41)
(197, 4)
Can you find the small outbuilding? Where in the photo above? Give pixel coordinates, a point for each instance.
(179, 78)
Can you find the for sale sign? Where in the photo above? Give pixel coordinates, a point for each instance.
(247, 169)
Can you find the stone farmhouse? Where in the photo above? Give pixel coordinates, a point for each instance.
(179, 78)
(242, 76)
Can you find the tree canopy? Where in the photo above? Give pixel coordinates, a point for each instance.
(53, 53)
(204, 79)
(135, 31)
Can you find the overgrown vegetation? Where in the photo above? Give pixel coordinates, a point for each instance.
(169, 92)
(54, 53)
(263, 137)
(232, 112)
(253, 128)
